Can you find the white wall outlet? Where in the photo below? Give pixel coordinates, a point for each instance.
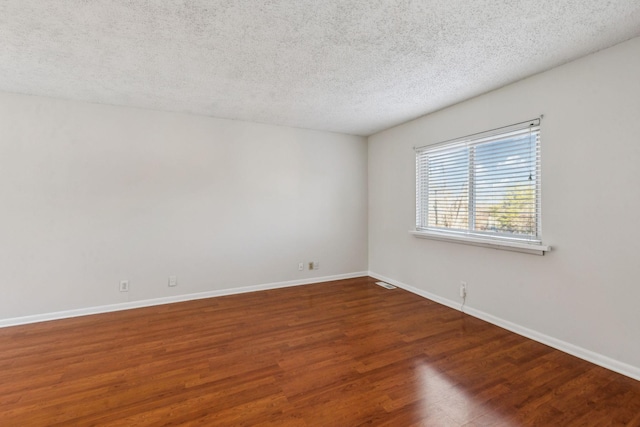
(463, 289)
(173, 281)
(124, 286)
(300, 266)
(316, 265)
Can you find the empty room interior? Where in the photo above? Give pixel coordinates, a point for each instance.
(337, 213)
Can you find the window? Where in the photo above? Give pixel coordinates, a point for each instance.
(483, 188)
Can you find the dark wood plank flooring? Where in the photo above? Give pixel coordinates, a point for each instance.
(344, 353)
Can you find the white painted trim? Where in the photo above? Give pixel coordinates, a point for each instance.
(168, 300)
(574, 350)
(420, 292)
(507, 245)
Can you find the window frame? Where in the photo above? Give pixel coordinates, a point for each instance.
(469, 235)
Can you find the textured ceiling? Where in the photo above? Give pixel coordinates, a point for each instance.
(352, 66)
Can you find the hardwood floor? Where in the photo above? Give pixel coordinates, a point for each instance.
(344, 353)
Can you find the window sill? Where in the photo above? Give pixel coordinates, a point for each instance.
(529, 248)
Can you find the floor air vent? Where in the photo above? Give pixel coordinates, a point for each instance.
(385, 285)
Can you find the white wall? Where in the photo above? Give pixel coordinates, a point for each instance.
(586, 292)
(93, 194)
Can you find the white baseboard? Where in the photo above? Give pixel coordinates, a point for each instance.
(168, 300)
(582, 353)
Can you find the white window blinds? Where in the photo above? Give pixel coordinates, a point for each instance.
(485, 185)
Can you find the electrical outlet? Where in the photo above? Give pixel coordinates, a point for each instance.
(316, 265)
(463, 289)
(311, 265)
(173, 281)
(124, 286)
(300, 266)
